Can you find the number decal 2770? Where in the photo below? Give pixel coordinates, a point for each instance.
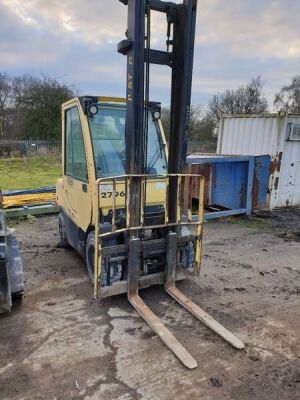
(108, 195)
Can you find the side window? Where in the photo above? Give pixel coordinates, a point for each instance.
(75, 160)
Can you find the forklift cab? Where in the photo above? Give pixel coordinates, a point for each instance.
(94, 148)
(94, 187)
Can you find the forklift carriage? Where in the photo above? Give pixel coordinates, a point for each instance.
(174, 237)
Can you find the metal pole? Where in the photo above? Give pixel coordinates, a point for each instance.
(134, 133)
(182, 70)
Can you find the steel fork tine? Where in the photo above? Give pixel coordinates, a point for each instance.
(202, 316)
(144, 311)
(187, 303)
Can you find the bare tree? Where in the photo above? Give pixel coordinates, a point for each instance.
(197, 114)
(243, 100)
(289, 96)
(5, 90)
(5, 99)
(201, 127)
(165, 120)
(38, 104)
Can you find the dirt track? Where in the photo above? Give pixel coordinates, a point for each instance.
(61, 344)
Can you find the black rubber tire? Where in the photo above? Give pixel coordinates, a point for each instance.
(90, 254)
(17, 297)
(63, 238)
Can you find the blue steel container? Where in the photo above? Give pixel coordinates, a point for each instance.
(234, 184)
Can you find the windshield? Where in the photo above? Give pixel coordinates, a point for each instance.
(108, 138)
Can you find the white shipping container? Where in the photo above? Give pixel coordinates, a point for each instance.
(275, 134)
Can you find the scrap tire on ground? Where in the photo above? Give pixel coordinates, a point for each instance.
(15, 268)
(11, 268)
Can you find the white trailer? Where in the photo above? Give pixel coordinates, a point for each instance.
(275, 134)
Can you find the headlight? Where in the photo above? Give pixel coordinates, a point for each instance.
(156, 115)
(93, 110)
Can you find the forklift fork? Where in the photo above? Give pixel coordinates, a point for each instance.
(144, 311)
(185, 302)
(153, 321)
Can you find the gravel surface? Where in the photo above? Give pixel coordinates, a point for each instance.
(61, 344)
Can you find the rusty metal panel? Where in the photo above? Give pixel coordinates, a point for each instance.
(193, 190)
(261, 182)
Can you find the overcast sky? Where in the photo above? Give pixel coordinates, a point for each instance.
(75, 41)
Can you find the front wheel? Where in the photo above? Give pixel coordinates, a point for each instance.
(90, 254)
(90, 260)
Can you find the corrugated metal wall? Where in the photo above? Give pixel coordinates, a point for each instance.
(248, 136)
(260, 135)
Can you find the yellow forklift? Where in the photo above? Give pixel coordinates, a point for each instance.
(125, 203)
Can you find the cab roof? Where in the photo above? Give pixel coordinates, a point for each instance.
(86, 101)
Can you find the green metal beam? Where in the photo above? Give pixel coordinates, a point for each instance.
(40, 209)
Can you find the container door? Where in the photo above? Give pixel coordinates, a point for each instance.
(289, 181)
(260, 199)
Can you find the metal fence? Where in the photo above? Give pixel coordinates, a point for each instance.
(196, 146)
(29, 148)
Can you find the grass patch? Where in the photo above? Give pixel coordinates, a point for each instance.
(249, 222)
(12, 222)
(29, 173)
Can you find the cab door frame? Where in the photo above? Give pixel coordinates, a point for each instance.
(77, 205)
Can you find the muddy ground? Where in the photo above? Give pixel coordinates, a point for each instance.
(284, 222)
(61, 344)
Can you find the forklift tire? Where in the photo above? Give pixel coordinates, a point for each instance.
(63, 239)
(90, 254)
(17, 298)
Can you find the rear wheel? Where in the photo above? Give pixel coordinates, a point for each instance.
(63, 239)
(17, 298)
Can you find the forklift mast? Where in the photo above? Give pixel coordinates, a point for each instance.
(139, 228)
(180, 37)
(179, 55)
